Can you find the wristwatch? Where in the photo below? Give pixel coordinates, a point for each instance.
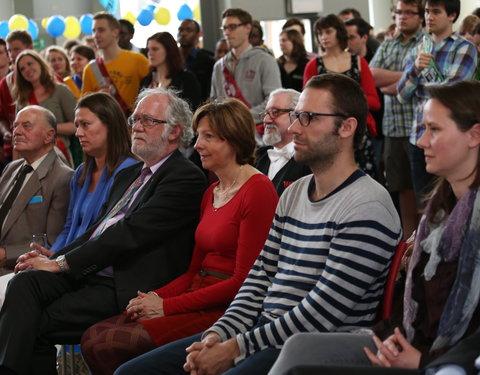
(62, 263)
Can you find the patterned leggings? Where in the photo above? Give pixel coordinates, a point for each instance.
(108, 344)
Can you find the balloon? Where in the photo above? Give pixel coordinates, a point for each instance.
(44, 22)
(130, 17)
(33, 29)
(72, 27)
(55, 26)
(109, 5)
(86, 23)
(18, 22)
(162, 16)
(4, 29)
(145, 17)
(184, 12)
(196, 13)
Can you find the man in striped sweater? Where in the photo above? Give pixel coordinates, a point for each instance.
(325, 260)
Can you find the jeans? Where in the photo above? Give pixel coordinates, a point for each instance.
(169, 359)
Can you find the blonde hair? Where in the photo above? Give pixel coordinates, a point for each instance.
(61, 51)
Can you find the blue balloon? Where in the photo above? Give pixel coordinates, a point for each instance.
(145, 17)
(4, 29)
(33, 29)
(110, 6)
(86, 23)
(184, 12)
(55, 26)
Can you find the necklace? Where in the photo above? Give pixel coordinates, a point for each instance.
(224, 193)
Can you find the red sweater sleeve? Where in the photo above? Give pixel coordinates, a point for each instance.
(7, 110)
(368, 86)
(310, 71)
(256, 209)
(183, 282)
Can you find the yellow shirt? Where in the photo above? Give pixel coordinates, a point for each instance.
(126, 72)
(72, 86)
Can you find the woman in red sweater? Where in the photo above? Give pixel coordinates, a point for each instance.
(236, 214)
(332, 37)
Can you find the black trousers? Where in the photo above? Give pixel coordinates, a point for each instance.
(38, 304)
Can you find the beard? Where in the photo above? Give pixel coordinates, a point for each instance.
(271, 136)
(320, 155)
(151, 148)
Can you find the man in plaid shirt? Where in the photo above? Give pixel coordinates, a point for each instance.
(442, 57)
(387, 67)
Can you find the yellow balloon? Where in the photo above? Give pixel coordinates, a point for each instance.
(130, 17)
(162, 16)
(18, 22)
(196, 13)
(44, 22)
(72, 27)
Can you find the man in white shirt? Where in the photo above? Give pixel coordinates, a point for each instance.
(276, 159)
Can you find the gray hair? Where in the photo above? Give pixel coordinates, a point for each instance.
(178, 112)
(292, 94)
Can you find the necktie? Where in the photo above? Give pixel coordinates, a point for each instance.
(122, 204)
(7, 204)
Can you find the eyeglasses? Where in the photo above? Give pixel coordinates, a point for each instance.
(232, 26)
(407, 13)
(274, 113)
(305, 117)
(147, 122)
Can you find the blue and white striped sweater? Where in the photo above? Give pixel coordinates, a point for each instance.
(322, 268)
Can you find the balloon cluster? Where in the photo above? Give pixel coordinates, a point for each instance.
(18, 22)
(160, 14)
(71, 27)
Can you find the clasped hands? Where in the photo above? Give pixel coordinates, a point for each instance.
(211, 356)
(395, 351)
(37, 259)
(145, 306)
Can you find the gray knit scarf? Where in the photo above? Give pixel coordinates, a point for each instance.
(457, 237)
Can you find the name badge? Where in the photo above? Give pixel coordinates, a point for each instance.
(36, 199)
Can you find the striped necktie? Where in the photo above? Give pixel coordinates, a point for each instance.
(123, 203)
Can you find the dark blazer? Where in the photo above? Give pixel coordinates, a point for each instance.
(40, 207)
(289, 173)
(153, 243)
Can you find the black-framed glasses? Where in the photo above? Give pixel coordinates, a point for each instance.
(275, 112)
(407, 13)
(305, 117)
(232, 26)
(146, 121)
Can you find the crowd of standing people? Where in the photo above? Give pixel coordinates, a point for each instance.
(236, 213)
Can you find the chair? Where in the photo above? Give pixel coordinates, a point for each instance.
(67, 339)
(387, 301)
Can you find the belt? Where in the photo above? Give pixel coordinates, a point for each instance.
(220, 275)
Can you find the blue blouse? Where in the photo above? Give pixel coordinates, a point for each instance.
(83, 212)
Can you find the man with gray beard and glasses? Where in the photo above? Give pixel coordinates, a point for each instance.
(276, 159)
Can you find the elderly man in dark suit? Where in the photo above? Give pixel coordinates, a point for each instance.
(143, 240)
(276, 159)
(34, 190)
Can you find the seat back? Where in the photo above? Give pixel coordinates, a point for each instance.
(388, 295)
